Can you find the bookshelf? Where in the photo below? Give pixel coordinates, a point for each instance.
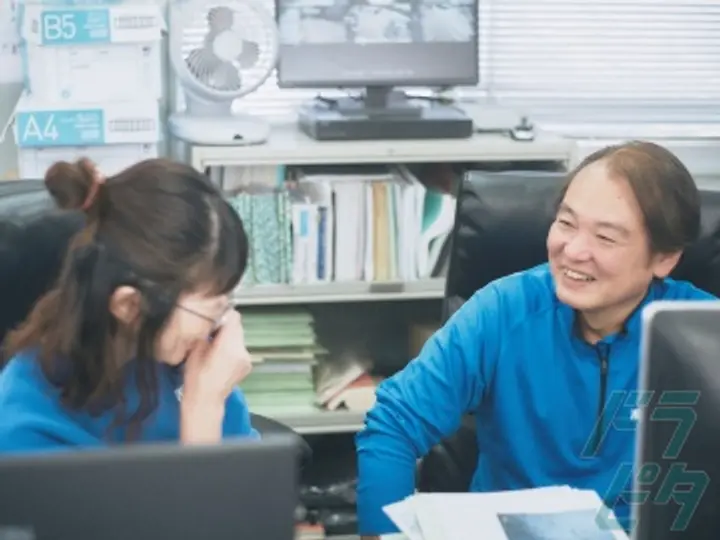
(288, 147)
(278, 295)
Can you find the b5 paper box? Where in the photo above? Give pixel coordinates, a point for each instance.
(39, 124)
(94, 74)
(58, 25)
(92, 53)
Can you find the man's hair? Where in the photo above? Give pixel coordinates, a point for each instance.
(160, 227)
(665, 191)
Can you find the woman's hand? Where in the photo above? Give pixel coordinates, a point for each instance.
(212, 371)
(214, 368)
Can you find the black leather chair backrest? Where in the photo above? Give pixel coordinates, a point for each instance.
(501, 224)
(33, 240)
(24, 199)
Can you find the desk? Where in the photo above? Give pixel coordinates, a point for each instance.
(288, 146)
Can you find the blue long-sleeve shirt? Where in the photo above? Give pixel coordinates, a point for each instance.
(33, 418)
(511, 355)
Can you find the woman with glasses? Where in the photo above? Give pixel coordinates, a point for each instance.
(137, 341)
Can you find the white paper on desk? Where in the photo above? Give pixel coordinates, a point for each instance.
(403, 514)
(457, 516)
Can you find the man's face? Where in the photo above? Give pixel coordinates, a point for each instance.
(598, 247)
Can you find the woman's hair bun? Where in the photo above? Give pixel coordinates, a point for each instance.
(70, 184)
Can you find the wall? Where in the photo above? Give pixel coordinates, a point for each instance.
(700, 156)
(9, 93)
(10, 77)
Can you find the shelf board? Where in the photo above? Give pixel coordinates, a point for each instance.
(317, 422)
(288, 146)
(269, 295)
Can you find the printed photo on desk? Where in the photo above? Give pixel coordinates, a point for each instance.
(546, 513)
(570, 525)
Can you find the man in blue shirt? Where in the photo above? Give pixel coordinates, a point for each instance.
(537, 355)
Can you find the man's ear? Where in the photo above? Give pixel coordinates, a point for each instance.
(125, 304)
(665, 263)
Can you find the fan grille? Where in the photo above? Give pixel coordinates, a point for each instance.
(226, 47)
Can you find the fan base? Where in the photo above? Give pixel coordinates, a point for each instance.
(235, 130)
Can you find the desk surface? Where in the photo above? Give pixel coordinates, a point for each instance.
(288, 146)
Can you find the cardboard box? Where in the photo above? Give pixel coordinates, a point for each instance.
(40, 124)
(34, 162)
(92, 54)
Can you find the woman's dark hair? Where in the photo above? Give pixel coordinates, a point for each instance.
(158, 226)
(665, 191)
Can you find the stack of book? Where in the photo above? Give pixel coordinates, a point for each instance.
(345, 224)
(284, 349)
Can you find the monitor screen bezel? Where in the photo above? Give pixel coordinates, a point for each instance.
(657, 318)
(472, 80)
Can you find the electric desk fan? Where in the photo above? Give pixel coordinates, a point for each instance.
(220, 52)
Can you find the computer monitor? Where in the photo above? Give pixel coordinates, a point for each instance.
(244, 489)
(675, 481)
(377, 45)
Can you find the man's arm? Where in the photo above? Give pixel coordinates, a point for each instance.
(423, 404)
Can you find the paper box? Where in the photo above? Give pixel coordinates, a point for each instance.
(34, 162)
(92, 54)
(56, 26)
(93, 74)
(39, 124)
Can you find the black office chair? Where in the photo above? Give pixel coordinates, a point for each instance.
(268, 426)
(501, 224)
(28, 219)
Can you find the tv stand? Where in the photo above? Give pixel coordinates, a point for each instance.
(382, 113)
(379, 101)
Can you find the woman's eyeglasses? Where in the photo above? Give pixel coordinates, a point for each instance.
(216, 322)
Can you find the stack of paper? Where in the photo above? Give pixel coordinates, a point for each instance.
(92, 74)
(558, 513)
